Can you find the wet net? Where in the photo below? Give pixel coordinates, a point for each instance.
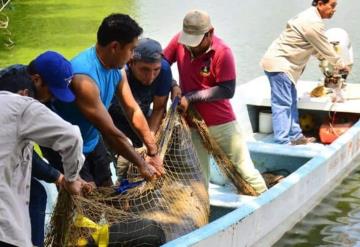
(222, 160)
(138, 213)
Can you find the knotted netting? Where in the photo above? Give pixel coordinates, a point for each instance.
(139, 213)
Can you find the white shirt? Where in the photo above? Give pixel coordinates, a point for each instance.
(22, 121)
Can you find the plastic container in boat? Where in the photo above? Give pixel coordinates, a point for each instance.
(265, 123)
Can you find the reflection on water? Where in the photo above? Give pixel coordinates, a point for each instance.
(335, 222)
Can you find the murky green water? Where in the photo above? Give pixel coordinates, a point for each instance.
(334, 222)
(248, 26)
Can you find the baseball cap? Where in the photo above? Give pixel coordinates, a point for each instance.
(57, 74)
(195, 24)
(148, 50)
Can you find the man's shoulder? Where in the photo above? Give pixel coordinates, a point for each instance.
(306, 17)
(7, 96)
(221, 49)
(16, 102)
(173, 44)
(84, 61)
(165, 66)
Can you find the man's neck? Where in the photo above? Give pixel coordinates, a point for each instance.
(100, 53)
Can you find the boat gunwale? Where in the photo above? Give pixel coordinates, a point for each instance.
(238, 215)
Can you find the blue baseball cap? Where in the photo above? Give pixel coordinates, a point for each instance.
(57, 73)
(148, 50)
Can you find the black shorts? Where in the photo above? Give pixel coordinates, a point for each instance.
(122, 124)
(96, 167)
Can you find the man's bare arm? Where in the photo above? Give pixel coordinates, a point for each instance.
(135, 115)
(89, 102)
(159, 109)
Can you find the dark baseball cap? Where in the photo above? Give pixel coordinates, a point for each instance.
(57, 73)
(148, 50)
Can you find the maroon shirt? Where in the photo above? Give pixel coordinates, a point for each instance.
(203, 72)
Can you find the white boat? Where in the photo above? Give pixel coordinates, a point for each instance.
(315, 170)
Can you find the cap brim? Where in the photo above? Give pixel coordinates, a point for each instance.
(190, 39)
(63, 94)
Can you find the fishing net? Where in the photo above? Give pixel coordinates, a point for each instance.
(224, 163)
(139, 213)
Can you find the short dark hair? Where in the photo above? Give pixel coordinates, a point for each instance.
(15, 78)
(31, 68)
(315, 2)
(118, 27)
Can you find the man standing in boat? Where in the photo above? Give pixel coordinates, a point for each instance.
(150, 79)
(45, 78)
(285, 61)
(207, 79)
(97, 78)
(23, 121)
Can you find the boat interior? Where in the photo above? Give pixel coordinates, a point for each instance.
(315, 116)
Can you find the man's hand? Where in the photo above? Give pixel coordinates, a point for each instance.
(345, 70)
(156, 162)
(175, 91)
(60, 181)
(183, 106)
(77, 187)
(152, 168)
(74, 187)
(148, 172)
(87, 187)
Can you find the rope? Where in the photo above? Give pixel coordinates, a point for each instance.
(224, 163)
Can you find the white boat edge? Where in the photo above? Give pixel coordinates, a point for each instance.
(263, 220)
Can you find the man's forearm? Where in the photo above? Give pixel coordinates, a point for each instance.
(224, 90)
(142, 128)
(155, 119)
(43, 171)
(120, 144)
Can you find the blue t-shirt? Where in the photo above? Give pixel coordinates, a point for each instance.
(107, 80)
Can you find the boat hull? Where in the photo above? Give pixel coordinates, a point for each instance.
(263, 220)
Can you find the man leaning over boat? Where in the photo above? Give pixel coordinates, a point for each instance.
(97, 78)
(24, 120)
(207, 79)
(285, 61)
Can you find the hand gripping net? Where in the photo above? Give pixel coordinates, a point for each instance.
(147, 214)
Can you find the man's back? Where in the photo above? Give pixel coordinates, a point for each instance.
(15, 171)
(23, 120)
